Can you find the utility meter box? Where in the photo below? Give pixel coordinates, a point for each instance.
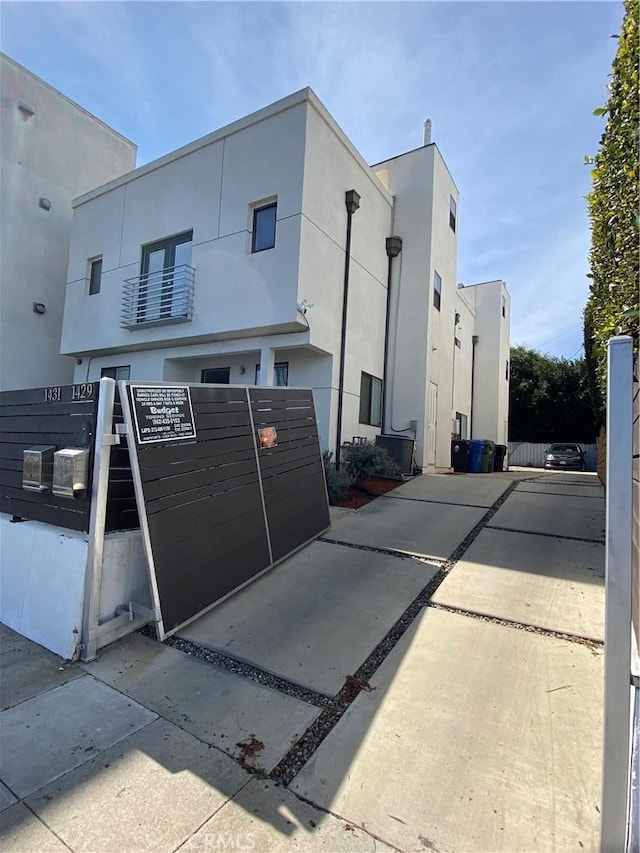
(37, 467)
(71, 472)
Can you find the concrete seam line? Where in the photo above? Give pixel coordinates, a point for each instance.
(41, 819)
(548, 535)
(562, 495)
(429, 501)
(590, 642)
(347, 820)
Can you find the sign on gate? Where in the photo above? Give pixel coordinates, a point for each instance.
(162, 413)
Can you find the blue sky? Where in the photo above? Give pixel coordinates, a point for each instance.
(510, 88)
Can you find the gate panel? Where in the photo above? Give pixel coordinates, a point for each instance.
(203, 506)
(292, 472)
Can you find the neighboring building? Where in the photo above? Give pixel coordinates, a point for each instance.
(52, 150)
(224, 261)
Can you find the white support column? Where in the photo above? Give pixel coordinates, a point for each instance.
(267, 361)
(617, 637)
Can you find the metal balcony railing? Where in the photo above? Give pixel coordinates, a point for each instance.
(158, 298)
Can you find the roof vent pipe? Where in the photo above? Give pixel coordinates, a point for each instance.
(427, 132)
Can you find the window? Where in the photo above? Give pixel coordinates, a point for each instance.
(216, 375)
(452, 213)
(370, 400)
(506, 371)
(264, 228)
(280, 374)
(459, 430)
(504, 305)
(121, 372)
(163, 266)
(95, 275)
(437, 290)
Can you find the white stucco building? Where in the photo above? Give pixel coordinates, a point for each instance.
(52, 150)
(226, 261)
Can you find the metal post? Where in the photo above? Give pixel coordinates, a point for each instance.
(617, 634)
(352, 202)
(93, 574)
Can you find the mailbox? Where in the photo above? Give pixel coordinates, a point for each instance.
(37, 467)
(70, 472)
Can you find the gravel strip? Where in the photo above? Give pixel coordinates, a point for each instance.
(402, 555)
(227, 663)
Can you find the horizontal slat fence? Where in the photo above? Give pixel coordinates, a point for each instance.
(63, 416)
(292, 471)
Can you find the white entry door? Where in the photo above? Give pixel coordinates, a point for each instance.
(432, 424)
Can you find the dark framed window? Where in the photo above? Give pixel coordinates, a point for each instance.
(216, 375)
(280, 374)
(264, 228)
(159, 263)
(370, 400)
(506, 371)
(504, 306)
(95, 276)
(437, 290)
(460, 426)
(457, 342)
(453, 212)
(123, 371)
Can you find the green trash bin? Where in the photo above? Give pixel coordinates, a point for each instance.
(486, 463)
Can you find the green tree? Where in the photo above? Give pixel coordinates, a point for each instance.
(549, 399)
(612, 308)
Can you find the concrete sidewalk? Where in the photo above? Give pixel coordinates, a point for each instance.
(430, 678)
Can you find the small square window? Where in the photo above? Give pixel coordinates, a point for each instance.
(370, 400)
(95, 276)
(264, 228)
(453, 210)
(121, 372)
(437, 290)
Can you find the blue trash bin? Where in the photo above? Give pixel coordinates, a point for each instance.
(475, 455)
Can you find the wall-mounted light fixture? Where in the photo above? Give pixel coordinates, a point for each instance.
(44, 203)
(39, 308)
(26, 110)
(243, 370)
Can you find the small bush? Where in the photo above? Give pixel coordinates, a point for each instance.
(367, 460)
(338, 482)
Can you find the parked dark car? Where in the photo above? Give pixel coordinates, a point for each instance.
(564, 456)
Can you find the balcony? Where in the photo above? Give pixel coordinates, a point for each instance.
(158, 298)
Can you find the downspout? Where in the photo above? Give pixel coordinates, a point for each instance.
(393, 247)
(474, 340)
(352, 202)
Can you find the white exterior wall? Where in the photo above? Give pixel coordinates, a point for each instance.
(293, 151)
(332, 167)
(57, 153)
(491, 387)
(208, 187)
(465, 331)
(421, 337)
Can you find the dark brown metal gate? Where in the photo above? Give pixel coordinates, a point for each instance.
(216, 508)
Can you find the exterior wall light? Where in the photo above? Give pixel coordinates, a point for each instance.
(44, 203)
(39, 308)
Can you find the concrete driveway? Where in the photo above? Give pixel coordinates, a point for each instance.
(429, 677)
